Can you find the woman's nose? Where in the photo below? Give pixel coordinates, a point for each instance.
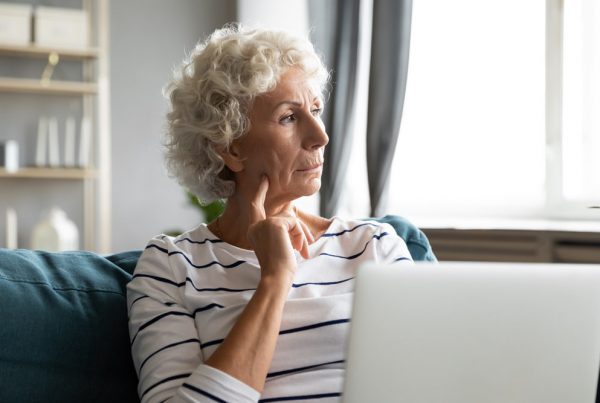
(315, 136)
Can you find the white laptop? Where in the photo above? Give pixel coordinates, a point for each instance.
(475, 332)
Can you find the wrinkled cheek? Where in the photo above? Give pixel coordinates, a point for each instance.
(270, 164)
(279, 172)
(273, 165)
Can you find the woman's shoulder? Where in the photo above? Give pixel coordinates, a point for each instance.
(171, 257)
(199, 235)
(380, 235)
(327, 227)
(194, 236)
(357, 226)
(163, 246)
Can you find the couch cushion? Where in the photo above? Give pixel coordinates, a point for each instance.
(416, 241)
(63, 327)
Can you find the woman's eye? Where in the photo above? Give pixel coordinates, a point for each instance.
(288, 118)
(317, 111)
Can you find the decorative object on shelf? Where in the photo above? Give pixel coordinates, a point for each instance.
(85, 143)
(9, 155)
(53, 60)
(11, 229)
(42, 141)
(53, 155)
(55, 232)
(15, 24)
(69, 161)
(61, 27)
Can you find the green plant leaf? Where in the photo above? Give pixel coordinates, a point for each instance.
(211, 210)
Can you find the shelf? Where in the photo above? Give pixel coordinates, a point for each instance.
(85, 75)
(53, 87)
(49, 173)
(42, 52)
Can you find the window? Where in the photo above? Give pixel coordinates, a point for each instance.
(501, 112)
(581, 103)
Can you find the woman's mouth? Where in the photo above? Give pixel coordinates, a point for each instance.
(311, 169)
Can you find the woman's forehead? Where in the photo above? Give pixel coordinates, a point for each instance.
(295, 80)
(294, 89)
(293, 85)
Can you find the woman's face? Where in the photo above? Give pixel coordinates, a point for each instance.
(286, 139)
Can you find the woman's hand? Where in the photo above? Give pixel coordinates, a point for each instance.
(247, 351)
(274, 238)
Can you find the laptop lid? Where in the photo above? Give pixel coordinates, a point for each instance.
(474, 332)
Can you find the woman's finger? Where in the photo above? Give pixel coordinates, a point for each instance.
(307, 233)
(298, 237)
(291, 212)
(304, 250)
(257, 204)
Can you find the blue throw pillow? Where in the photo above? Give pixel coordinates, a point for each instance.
(63, 327)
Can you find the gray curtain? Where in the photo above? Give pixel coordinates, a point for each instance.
(387, 86)
(337, 38)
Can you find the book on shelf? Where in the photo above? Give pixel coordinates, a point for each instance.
(85, 141)
(41, 143)
(48, 146)
(53, 154)
(69, 152)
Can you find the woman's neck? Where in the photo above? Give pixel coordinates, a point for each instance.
(232, 226)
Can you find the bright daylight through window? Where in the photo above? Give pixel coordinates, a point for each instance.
(581, 100)
(473, 140)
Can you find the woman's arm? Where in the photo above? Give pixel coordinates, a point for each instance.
(165, 343)
(247, 351)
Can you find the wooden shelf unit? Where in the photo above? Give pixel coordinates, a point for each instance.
(22, 85)
(49, 173)
(35, 51)
(93, 90)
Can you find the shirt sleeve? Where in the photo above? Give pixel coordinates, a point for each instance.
(392, 248)
(164, 340)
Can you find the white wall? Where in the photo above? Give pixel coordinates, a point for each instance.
(289, 15)
(148, 38)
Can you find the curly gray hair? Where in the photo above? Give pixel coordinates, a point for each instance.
(211, 94)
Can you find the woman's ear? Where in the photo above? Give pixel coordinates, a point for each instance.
(232, 158)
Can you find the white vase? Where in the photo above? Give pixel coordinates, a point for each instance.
(55, 232)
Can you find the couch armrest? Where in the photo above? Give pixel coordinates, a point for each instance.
(63, 328)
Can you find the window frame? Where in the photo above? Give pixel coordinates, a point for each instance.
(557, 205)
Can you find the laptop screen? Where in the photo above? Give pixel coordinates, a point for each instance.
(475, 332)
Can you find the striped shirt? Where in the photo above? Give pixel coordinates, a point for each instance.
(188, 292)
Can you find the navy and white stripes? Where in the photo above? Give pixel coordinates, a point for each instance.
(187, 293)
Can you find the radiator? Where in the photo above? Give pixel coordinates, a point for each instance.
(514, 245)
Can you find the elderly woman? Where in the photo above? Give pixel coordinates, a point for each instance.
(257, 304)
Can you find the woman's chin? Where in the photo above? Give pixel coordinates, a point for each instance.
(310, 188)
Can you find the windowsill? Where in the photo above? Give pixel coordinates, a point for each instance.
(508, 224)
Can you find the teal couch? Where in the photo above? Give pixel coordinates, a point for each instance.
(63, 323)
